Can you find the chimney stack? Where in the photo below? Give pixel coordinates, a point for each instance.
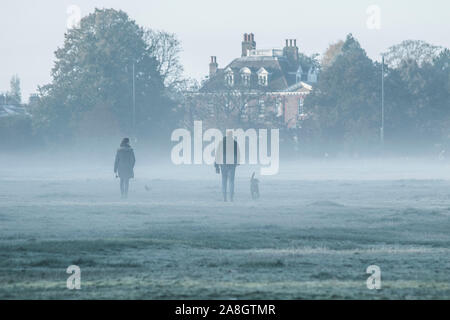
(291, 51)
(248, 43)
(213, 66)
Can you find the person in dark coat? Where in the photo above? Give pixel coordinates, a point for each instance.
(227, 164)
(124, 165)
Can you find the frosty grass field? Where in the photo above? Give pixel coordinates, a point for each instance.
(313, 233)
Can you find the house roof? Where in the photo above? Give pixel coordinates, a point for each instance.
(301, 86)
(10, 110)
(281, 74)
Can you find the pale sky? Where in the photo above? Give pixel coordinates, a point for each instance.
(30, 31)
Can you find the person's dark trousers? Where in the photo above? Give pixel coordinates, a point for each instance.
(228, 172)
(124, 183)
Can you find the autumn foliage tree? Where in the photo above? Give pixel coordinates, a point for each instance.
(346, 101)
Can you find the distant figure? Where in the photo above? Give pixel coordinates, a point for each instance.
(254, 187)
(124, 165)
(227, 158)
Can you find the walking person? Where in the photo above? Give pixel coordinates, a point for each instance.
(124, 166)
(227, 159)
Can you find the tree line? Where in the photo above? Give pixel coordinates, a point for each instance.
(345, 105)
(92, 95)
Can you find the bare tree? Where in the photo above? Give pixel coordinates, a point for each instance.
(411, 50)
(331, 53)
(15, 92)
(166, 48)
(232, 109)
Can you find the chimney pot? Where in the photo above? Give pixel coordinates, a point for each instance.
(248, 43)
(213, 66)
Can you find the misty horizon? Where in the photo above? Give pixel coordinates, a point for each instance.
(301, 166)
(217, 32)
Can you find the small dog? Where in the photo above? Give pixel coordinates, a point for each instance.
(254, 187)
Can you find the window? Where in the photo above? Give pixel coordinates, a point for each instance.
(299, 74)
(301, 109)
(262, 80)
(263, 77)
(312, 75)
(279, 107)
(229, 77)
(245, 76)
(245, 79)
(262, 107)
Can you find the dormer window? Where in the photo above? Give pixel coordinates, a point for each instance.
(245, 76)
(312, 75)
(229, 77)
(299, 74)
(262, 80)
(263, 77)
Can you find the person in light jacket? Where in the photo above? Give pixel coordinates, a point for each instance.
(124, 166)
(227, 159)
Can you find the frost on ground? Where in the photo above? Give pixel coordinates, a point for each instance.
(312, 234)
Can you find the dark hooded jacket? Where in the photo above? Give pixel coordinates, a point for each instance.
(124, 163)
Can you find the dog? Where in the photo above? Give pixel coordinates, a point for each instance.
(254, 187)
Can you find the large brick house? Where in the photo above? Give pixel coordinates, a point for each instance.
(276, 74)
